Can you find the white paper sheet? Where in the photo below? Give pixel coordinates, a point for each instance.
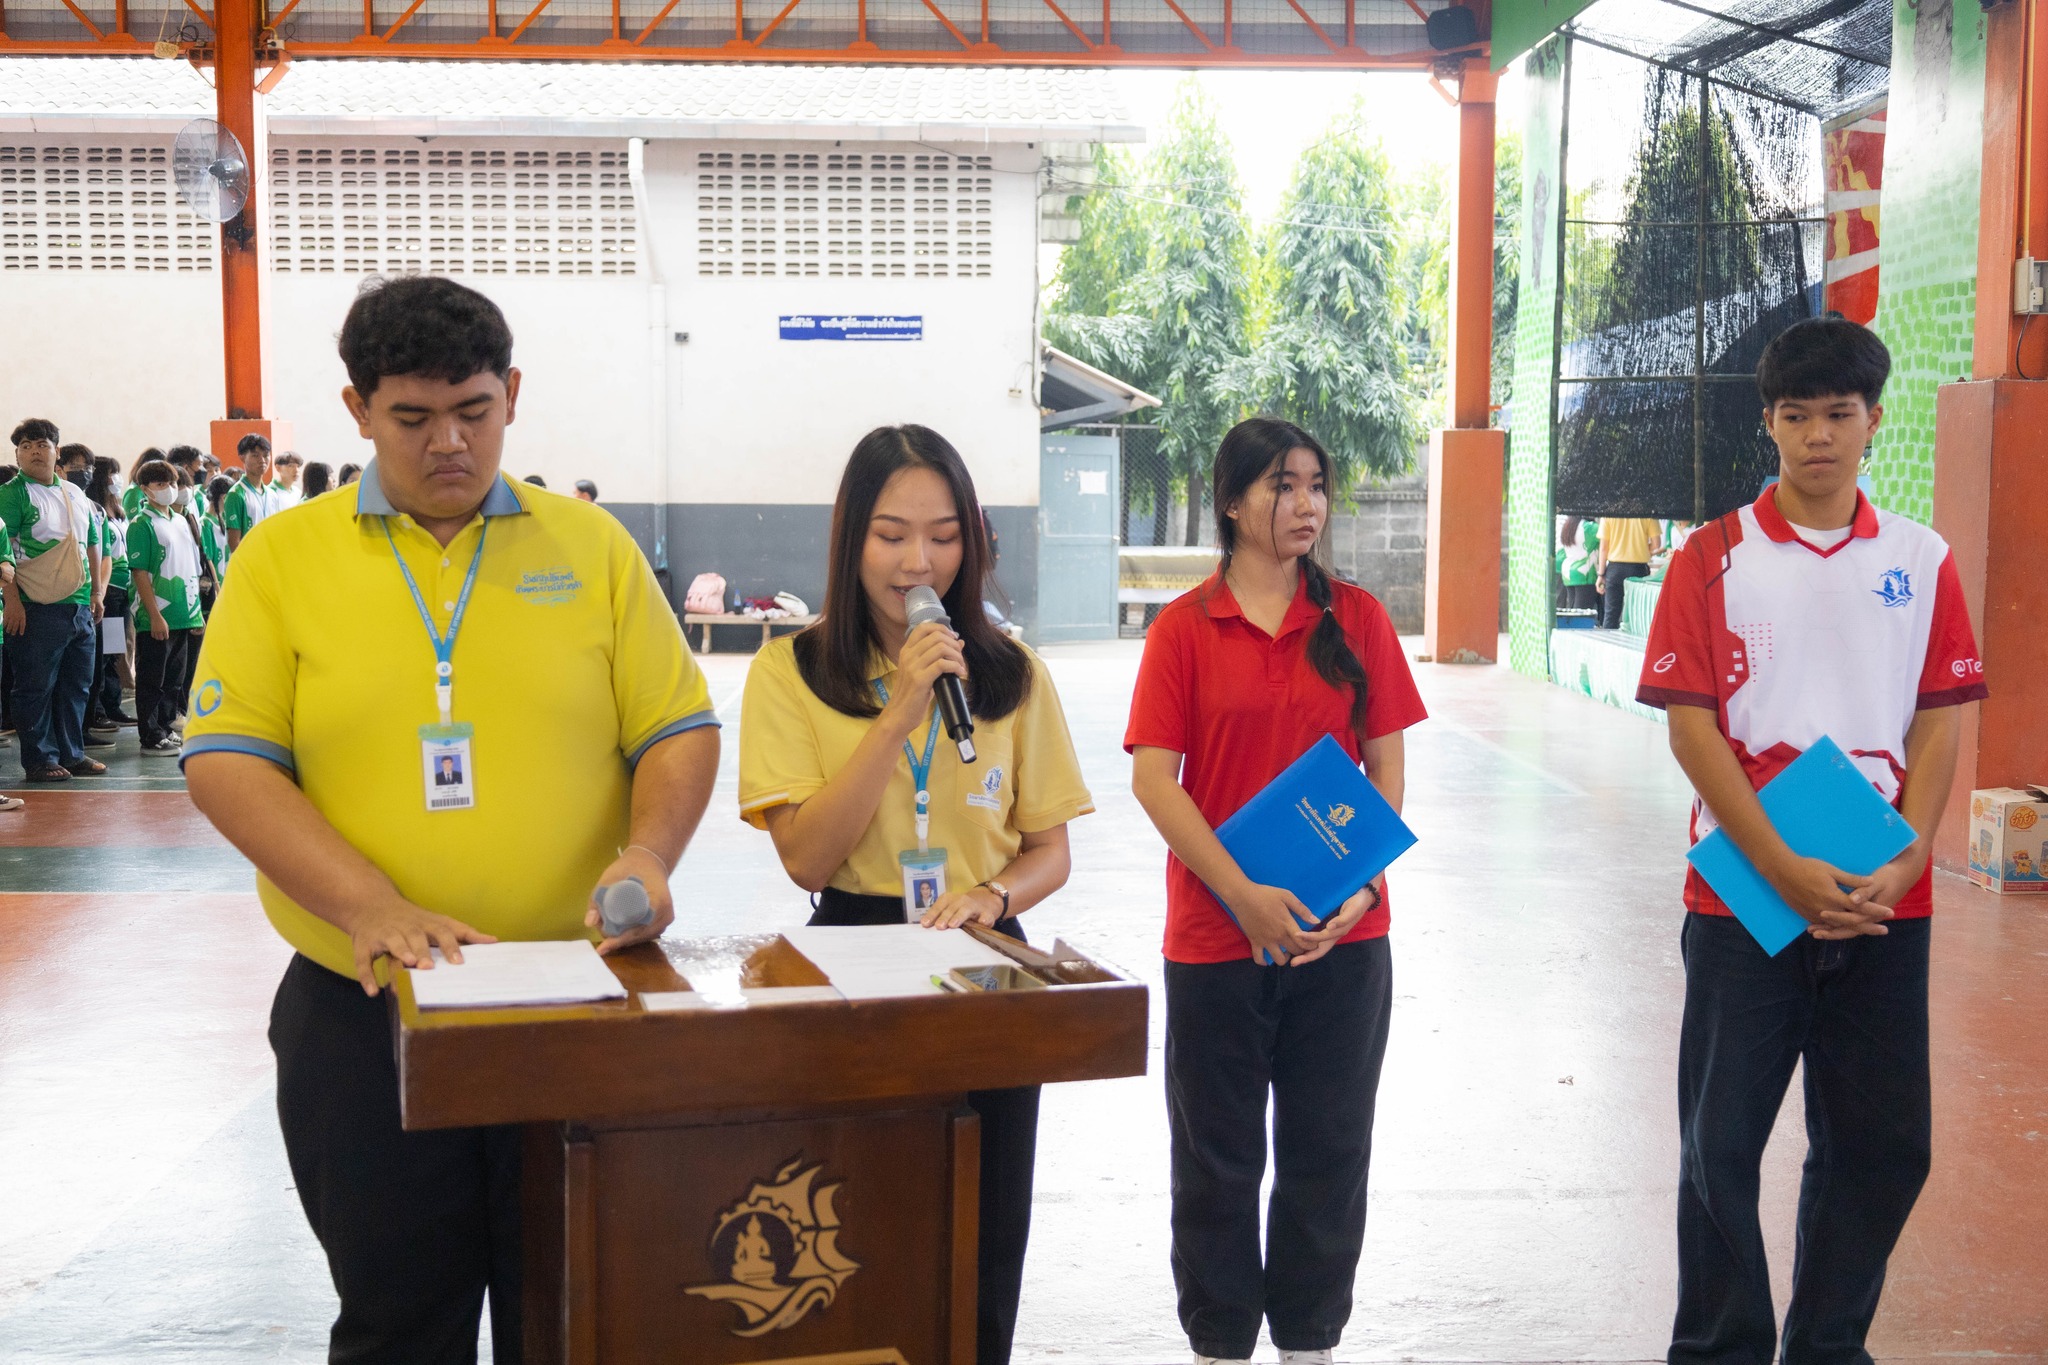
(882, 961)
(658, 1002)
(496, 975)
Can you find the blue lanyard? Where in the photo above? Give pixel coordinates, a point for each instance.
(920, 772)
(444, 645)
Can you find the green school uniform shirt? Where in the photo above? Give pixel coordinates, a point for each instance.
(114, 547)
(132, 499)
(36, 515)
(160, 544)
(213, 543)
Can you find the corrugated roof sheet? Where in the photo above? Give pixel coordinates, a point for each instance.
(663, 99)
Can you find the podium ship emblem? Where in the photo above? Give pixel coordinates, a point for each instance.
(1340, 815)
(779, 1248)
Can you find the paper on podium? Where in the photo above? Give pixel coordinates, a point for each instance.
(883, 961)
(498, 975)
(1822, 807)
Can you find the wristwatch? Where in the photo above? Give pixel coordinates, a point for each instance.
(1002, 891)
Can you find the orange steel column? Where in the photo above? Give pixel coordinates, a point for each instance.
(1461, 597)
(1990, 482)
(236, 23)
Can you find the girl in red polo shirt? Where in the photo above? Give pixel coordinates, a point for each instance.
(1240, 677)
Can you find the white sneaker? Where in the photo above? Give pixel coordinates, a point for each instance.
(1201, 1359)
(1306, 1358)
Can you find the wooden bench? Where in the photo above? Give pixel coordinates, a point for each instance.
(767, 627)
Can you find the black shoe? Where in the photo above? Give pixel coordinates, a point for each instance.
(97, 741)
(118, 719)
(163, 746)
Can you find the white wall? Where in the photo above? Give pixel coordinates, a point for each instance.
(128, 359)
(581, 346)
(756, 419)
(120, 360)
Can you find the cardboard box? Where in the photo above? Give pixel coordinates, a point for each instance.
(2009, 839)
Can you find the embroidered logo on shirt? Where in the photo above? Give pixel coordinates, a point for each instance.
(1897, 588)
(1665, 664)
(987, 798)
(208, 700)
(993, 783)
(550, 587)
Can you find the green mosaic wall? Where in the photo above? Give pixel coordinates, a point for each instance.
(1927, 242)
(1529, 457)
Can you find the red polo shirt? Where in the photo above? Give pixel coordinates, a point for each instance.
(1240, 705)
(1787, 641)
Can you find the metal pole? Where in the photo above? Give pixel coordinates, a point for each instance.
(241, 281)
(1699, 322)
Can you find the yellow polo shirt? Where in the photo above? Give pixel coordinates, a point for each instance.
(570, 665)
(1025, 777)
(1627, 539)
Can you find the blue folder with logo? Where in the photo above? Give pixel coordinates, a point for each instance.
(1320, 829)
(1823, 807)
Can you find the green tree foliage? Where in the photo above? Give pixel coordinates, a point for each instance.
(1331, 353)
(1159, 289)
(1654, 271)
(1507, 259)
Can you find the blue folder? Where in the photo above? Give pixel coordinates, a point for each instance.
(1320, 829)
(1823, 807)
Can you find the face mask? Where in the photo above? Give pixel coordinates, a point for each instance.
(164, 496)
(80, 477)
(184, 497)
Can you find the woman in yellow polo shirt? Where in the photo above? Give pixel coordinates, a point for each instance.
(838, 727)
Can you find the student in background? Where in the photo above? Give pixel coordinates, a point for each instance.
(285, 473)
(1240, 677)
(1626, 547)
(318, 479)
(52, 607)
(1869, 645)
(252, 499)
(834, 722)
(104, 491)
(586, 490)
(536, 480)
(1577, 566)
(163, 559)
(347, 475)
(213, 540)
(132, 496)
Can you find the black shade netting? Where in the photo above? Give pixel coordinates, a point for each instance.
(1669, 304)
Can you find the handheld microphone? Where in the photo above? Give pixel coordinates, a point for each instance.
(623, 905)
(924, 605)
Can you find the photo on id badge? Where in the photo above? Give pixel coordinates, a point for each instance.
(924, 880)
(450, 774)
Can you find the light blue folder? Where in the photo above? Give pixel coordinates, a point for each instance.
(1824, 808)
(1320, 829)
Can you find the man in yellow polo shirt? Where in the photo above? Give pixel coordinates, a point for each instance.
(437, 612)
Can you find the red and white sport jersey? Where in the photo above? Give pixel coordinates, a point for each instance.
(1788, 642)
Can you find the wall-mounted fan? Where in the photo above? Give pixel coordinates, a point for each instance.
(211, 169)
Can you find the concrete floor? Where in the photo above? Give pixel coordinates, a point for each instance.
(1525, 1156)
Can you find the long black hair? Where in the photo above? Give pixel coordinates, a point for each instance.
(832, 654)
(100, 490)
(1251, 451)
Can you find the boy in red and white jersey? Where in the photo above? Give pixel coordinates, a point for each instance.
(1807, 613)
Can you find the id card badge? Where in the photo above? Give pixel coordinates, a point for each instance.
(447, 766)
(924, 880)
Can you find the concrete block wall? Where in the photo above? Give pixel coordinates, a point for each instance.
(1377, 544)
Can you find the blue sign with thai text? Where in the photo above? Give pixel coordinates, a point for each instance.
(851, 327)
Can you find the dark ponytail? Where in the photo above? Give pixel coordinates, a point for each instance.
(1251, 451)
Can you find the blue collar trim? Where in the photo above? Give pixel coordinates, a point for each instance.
(501, 501)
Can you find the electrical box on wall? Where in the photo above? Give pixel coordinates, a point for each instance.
(2030, 285)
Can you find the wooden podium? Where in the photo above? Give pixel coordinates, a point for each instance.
(765, 1175)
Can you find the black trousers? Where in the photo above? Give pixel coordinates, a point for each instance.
(416, 1226)
(106, 679)
(1855, 1012)
(1009, 1158)
(1313, 1037)
(162, 669)
(1613, 594)
(1581, 597)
